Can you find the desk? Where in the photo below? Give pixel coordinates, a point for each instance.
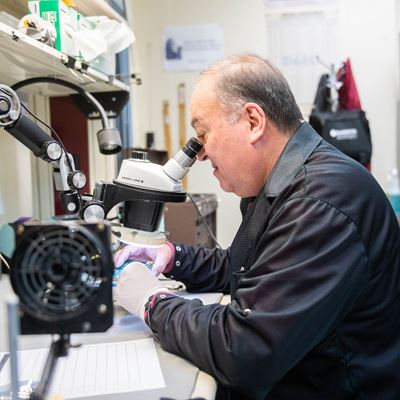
(183, 380)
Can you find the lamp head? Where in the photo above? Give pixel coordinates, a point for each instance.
(109, 140)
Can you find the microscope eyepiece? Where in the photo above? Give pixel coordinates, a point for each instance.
(192, 147)
(178, 166)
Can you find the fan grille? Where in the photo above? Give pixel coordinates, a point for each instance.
(60, 271)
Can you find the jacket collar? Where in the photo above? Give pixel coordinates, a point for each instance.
(294, 155)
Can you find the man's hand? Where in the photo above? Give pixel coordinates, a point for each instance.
(135, 285)
(161, 256)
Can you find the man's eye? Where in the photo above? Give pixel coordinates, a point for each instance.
(201, 137)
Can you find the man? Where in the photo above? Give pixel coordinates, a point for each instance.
(313, 271)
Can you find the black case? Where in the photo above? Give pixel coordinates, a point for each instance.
(347, 130)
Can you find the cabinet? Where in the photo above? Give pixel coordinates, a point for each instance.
(184, 225)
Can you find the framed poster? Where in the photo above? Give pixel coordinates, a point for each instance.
(192, 47)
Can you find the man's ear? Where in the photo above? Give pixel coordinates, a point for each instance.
(257, 120)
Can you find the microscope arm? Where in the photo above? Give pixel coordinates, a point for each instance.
(67, 179)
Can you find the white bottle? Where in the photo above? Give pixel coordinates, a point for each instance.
(393, 190)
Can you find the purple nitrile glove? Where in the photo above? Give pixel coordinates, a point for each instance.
(162, 256)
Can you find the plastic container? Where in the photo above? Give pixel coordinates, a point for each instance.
(393, 190)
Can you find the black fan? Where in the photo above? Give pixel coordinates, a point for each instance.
(62, 274)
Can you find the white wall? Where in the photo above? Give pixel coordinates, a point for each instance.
(15, 179)
(367, 33)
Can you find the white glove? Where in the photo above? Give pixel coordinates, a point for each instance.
(161, 256)
(134, 287)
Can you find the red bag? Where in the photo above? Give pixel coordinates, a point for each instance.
(348, 94)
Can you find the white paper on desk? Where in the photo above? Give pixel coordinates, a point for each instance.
(96, 369)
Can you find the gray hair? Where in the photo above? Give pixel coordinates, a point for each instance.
(241, 79)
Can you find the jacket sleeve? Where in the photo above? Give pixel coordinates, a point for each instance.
(201, 269)
(309, 268)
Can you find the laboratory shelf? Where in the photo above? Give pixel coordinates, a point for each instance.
(23, 57)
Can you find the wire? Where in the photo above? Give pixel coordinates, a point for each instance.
(58, 139)
(4, 261)
(52, 131)
(48, 79)
(204, 221)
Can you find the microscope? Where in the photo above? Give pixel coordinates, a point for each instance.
(141, 186)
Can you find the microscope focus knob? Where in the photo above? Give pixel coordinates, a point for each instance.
(5, 105)
(51, 151)
(76, 179)
(139, 155)
(93, 212)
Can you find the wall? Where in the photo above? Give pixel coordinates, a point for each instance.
(25, 181)
(366, 33)
(15, 179)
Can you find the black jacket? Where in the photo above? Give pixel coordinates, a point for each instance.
(314, 275)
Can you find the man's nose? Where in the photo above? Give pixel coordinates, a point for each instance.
(202, 155)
